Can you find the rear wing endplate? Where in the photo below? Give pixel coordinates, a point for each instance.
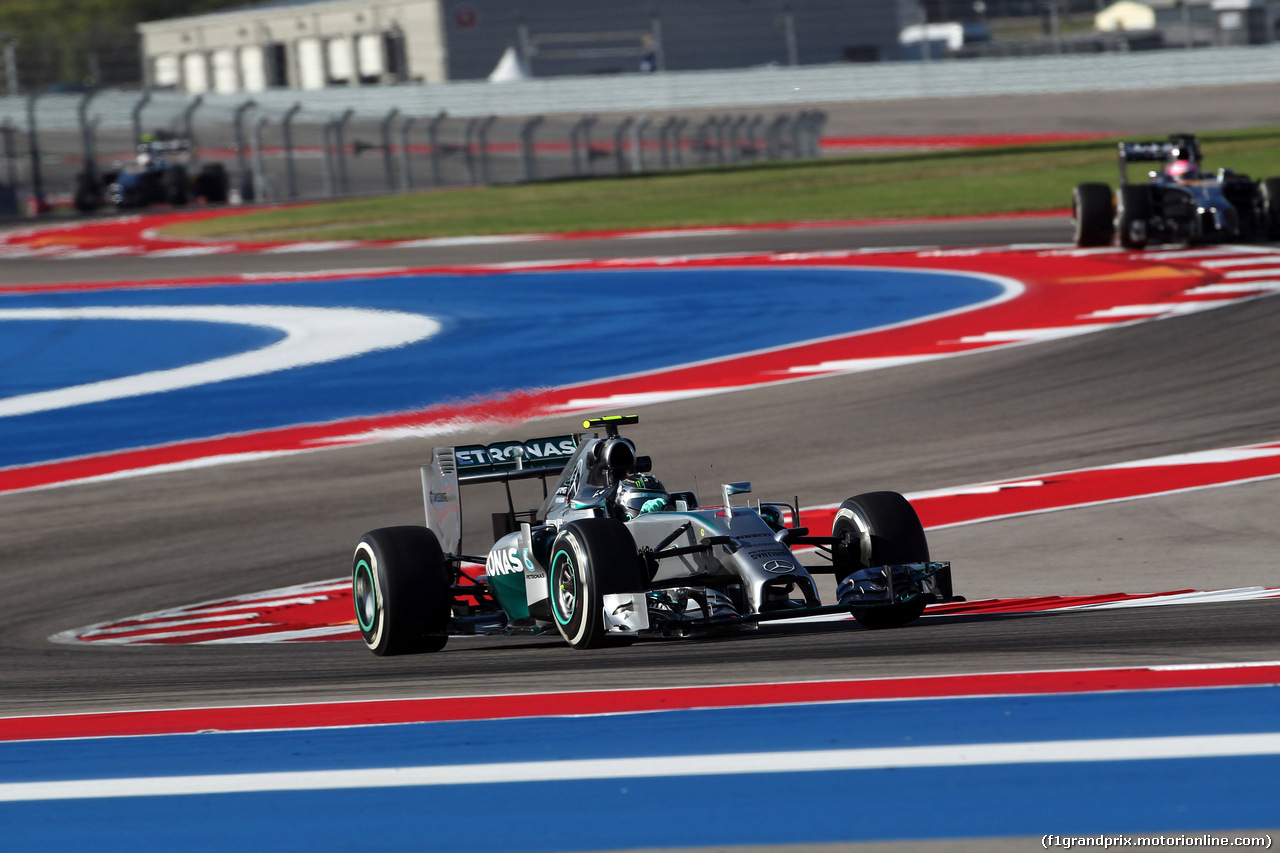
(451, 468)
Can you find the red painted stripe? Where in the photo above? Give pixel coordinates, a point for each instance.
(973, 140)
(330, 714)
(1084, 487)
(144, 234)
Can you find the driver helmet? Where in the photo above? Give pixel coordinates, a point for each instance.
(772, 516)
(641, 493)
(1181, 170)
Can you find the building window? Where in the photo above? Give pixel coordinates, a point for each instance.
(166, 71)
(195, 73)
(311, 74)
(393, 49)
(277, 65)
(226, 79)
(369, 54)
(340, 60)
(253, 69)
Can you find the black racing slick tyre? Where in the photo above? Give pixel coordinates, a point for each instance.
(1270, 192)
(213, 183)
(177, 189)
(1133, 215)
(590, 559)
(401, 587)
(880, 529)
(1093, 214)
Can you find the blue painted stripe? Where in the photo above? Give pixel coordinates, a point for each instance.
(501, 333)
(40, 355)
(1185, 796)
(899, 723)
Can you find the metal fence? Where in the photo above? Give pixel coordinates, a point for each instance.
(304, 153)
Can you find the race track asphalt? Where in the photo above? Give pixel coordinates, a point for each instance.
(82, 554)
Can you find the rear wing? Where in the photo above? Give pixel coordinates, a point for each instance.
(451, 468)
(1183, 145)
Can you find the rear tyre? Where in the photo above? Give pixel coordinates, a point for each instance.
(1133, 215)
(590, 559)
(176, 189)
(880, 529)
(1094, 215)
(1270, 192)
(400, 584)
(213, 183)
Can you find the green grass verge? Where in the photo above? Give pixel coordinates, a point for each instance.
(957, 183)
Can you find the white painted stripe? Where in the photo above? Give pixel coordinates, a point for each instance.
(140, 627)
(317, 246)
(1047, 333)
(687, 232)
(1217, 456)
(151, 637)
(1255, 593)
(105, 252)
(311, 336)
(191, 251)
(1085, 253)
(979, 489)
(1179, 254)
(290, 276)
(238, 607)
(858, 365)
(1193, 667)
(1258, 273)
(299, 634)
(1237, 262)
(480, 240)
(949, 755)
(1033, 247)
(1158, 308)
(641, 398)
(1241, 287)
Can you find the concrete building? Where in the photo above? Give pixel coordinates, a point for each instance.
(312, 44)
(297, 44)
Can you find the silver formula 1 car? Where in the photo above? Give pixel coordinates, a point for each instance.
(1179, 204)
(611, 554)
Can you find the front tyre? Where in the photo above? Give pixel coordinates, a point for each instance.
(400, 584)
(590, 559)
(880, 529)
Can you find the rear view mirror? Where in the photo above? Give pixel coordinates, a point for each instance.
(729, 489)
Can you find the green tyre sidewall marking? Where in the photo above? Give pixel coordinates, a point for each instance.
(555, 592)
(362, 565)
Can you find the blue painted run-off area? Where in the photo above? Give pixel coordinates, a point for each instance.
(1184, 795)
(507, 332)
